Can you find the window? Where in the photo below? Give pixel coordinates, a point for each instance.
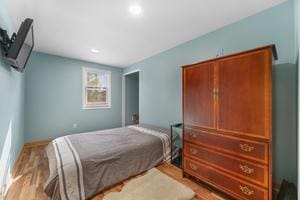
(96, 88)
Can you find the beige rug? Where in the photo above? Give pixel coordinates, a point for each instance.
(154, 185)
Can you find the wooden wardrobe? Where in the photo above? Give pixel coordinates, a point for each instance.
(227, 116)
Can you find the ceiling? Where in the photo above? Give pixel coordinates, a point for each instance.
(71, 28)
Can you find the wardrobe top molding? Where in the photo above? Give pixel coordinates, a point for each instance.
(271, 46)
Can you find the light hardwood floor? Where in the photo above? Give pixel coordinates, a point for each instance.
(32, 171)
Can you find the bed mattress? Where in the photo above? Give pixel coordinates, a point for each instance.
(82, 165)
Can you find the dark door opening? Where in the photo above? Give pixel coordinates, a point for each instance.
(132, 99)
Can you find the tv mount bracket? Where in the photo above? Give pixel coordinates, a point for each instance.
(5, 41)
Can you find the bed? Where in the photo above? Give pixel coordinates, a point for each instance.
(82, 165)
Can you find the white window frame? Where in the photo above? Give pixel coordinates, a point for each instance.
(85, 70)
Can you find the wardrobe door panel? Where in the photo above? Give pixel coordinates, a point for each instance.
(244, 100)
(198, 98)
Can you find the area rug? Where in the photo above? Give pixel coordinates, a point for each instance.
(154, 185)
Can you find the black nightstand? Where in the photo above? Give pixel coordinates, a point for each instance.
(178, 160)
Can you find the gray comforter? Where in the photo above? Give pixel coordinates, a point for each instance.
(82, 165)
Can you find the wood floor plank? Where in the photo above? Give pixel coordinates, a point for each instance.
(32, 171)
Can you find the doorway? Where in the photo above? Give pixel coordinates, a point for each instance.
(131, 98)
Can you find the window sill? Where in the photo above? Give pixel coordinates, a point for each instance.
(95, 107)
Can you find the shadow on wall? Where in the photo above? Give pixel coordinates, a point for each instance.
(285, 123)
(11, 110)
(5, 160)
(11, 106)
(5, 129)
(11, 121)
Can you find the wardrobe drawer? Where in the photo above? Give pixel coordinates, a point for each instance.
(237, 167)
(233, 186)
(254, 150)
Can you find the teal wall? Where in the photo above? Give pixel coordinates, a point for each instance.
(162, 73)
(131, 97)
(297, 24)
(297, 31)
(11, 110)
(53, 98)
(285, 122)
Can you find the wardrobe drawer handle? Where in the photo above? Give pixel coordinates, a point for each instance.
(194, 151)
(246, 147)
(246, 190)
(246, 169)
(193, 135)
(193, 166)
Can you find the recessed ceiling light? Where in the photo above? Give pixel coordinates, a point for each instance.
(95, 51)
(135, 9)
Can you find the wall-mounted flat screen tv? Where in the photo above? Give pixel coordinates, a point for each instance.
(22, 46)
